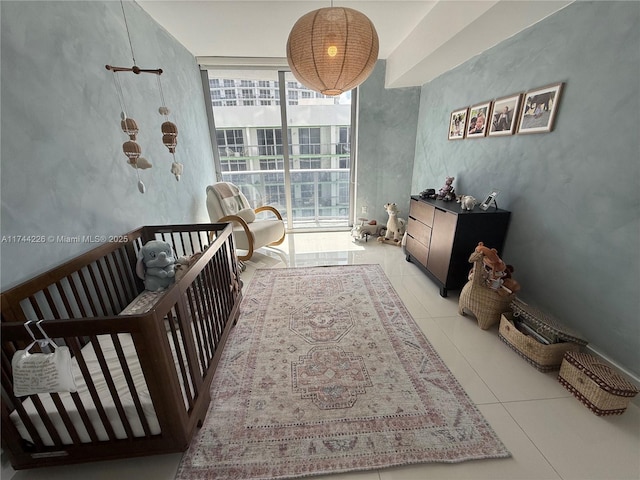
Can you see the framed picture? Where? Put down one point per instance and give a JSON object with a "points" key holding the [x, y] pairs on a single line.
{"points": [[457, 124], [478, 120], [539, 109], [504, 115], [491, 198]]}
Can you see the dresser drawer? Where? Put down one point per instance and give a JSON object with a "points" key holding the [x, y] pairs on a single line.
{"points": [[418, 250], [419, 231], [422, 211]]}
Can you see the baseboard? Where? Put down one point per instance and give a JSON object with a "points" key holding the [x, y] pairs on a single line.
{"points": [[632, 377]]}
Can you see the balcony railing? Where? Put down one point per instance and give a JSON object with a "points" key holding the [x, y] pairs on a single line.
{"points": [[319, 197]]}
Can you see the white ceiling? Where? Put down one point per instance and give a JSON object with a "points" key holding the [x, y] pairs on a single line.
{"points": [[419, 39]]}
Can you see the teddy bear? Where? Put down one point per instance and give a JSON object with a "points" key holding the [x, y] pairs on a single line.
{"points": [[447, 193], [496, 273], [156, 265]]}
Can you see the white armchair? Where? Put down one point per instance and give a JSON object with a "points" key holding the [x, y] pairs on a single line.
{"points": [[226, 203]]}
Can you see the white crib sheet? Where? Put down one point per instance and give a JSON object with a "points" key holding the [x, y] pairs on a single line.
{"points": [[111, 357]]}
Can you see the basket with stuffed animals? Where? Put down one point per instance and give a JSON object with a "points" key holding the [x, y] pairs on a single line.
{"points": [[490, 288], [537, 336]]}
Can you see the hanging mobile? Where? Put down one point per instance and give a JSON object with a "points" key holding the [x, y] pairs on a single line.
{"points": [[169, 134], [129, 126]]}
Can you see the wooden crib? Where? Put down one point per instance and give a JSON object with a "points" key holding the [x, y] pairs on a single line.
{"points": [[143, 378]]}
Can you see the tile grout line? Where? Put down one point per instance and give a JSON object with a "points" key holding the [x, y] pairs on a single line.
{"points": [[527, 435]]}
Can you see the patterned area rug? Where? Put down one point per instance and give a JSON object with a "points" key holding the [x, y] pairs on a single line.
{"points": [[327, 372]]}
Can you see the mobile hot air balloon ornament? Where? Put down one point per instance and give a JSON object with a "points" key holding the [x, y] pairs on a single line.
{"points": [[169, 134]]}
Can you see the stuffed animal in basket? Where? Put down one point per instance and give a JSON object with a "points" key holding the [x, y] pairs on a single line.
{"points": [[395, 226], [496, 273], [447, 193], [156, 265]]}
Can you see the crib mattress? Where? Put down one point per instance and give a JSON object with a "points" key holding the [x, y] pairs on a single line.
{"points": [[110, 355]]}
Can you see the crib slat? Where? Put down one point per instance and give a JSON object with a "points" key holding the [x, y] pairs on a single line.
{"points": [[131, 385], [206, 309], [76, 296], [92, 388], [193, 249], [216, 289], [125, 275], [36, 307], [93, 312], [96, 288], [64, 416], [114, 284], [206, 312], [218, 298], [65, 300], [194, 308], [84, 416], [51, 303], [8, 397], [28, 424], [181, 360], [106, 287], [111, 385], [46, 420]]}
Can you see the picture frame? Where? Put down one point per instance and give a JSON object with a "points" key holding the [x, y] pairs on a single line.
{"points": [[458, 123], [539, 109], [504, 115], [478, 120], [489, 199]]}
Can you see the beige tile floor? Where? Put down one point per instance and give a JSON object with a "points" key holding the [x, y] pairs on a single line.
{"points": [[549, 433]]}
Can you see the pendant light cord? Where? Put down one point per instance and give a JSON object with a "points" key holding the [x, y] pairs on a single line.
{"points": [[126, 25]]}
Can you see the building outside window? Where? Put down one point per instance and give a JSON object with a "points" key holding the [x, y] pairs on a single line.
{"points": [[231, 147], [250, 143]]}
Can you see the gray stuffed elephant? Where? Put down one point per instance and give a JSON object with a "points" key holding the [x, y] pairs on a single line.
{"points": [[156, 265]]}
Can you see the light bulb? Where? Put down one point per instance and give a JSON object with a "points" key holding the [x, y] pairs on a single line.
{"points": [[332, 51]]}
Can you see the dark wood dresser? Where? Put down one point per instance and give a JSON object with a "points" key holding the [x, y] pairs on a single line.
{"points": [[441, 236]]}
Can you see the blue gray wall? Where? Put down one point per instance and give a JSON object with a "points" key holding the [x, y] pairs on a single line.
{"points": [[63, 169], [387, 123], [574, 192]]}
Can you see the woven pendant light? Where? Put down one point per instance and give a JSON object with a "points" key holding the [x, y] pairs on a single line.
{"points": [[332, 50]]}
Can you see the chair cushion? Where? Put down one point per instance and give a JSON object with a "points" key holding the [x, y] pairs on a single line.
{"points": [[264, 232], [231, 201]]}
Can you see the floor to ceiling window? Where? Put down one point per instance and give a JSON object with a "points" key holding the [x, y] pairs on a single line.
{"points": [[309, 180]]}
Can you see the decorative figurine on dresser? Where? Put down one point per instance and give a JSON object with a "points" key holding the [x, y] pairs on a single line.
{"points": [[440, 236]]}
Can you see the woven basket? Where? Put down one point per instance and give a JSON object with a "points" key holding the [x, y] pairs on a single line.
{"points": [[596, 385], [545, 324], [483, 302], [544, 358]]}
